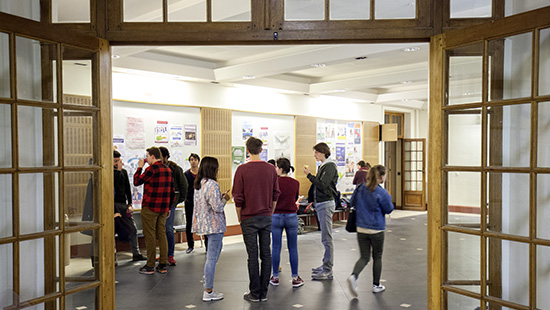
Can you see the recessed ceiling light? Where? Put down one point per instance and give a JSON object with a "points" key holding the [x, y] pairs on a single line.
{"points": [[411, 49], [115, 56], [404, 99], [406, 82], [249, 77], [320, 65]]}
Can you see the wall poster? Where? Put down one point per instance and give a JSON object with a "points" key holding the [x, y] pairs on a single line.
{"points": [[190, 134], [135, 132], [161, 132], [176, 135]]}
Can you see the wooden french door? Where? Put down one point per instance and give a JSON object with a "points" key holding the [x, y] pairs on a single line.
{"points": [[489, 161], [414, 174], [56, 197]]}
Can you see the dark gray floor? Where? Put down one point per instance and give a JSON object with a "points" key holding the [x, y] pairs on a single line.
{"points": [[404, 275]]}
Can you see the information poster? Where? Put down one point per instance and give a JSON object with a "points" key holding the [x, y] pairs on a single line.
{"points": [[264, 135], [135, 133], [237, 155], [161, 132], [176, 135], [190, 134], [248, 130], [118, 145], [131, 164]]}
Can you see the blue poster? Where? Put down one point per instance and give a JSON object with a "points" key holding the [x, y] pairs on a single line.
{"points": [[341, 155], [263, 155]]}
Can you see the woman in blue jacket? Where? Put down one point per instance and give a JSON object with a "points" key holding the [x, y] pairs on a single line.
{"points": [[371, 203]]}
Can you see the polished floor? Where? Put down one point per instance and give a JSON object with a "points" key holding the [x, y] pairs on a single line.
{"points": [[403, 274]]}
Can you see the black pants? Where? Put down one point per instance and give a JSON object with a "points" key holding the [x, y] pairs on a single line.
{"points": [[257, 236], [189, 224], [366, 242]]}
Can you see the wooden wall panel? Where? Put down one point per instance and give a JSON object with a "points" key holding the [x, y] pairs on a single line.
{"points": [[216, 141], [305, 138], [371, 142]]}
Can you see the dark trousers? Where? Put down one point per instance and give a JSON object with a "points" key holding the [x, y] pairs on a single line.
{"points": [[257, 236], [189, 225], [366, 242]]}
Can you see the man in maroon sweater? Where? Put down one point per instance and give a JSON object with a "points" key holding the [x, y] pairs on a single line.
{"points": [[158, 195], [255, 191]]}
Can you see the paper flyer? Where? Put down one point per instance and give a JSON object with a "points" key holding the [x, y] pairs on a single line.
{"points": [[176, 135], [341, 155], [135, 133], [118, 144], [237, 155], [263, 135], [190, 134], [263, 155], [248, 130], [161, 132]]}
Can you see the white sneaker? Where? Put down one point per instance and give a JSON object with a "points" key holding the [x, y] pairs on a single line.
{"points": [[378, 289], [211, 296], [352, 283]]}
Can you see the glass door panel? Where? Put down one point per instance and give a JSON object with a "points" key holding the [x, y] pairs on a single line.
{"points": [[465, 67], [5, 91], [36, 70], [413, 181], [5, 136]]}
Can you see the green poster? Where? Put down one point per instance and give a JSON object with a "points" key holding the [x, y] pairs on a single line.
{"points": [[237, 155]]}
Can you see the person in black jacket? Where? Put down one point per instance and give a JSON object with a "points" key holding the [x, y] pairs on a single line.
{"points": [[190, 175], [180, 186], [322, 192], [125, 226]]}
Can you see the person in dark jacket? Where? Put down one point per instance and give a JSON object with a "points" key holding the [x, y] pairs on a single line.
{"points": [[321, 193], [371, 203], [180, 187], [190, 174]]}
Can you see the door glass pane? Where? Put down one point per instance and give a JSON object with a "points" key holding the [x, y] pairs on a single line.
{"points": [[37, 137], [513, 7], [464, 259], [4, 66], [36, 69], [349, 9], [464, 138], [77, 76], [509, 135], [6, 275], [38, 202], [187, 10], [510, 67], [543, 144], [413, 186], [304, 10], [6, 206], [465, 74], [470, 8], [32, 275], [78, 136], [543, 206], [396, 9], [544, 62], [464, 198], [231, 11], [508, 270], [23, 8], [508, 204], [70, 11], [79, 252], [407, 185], [142, 10], [543, 277], [419, 186], [81, 300], [5, 136], [461, 302], [79, 197]]}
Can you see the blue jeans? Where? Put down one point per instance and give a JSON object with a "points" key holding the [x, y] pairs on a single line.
{"points": [[257, 236], [170, 231], [288, 222], [325, 210], [216, 243]]}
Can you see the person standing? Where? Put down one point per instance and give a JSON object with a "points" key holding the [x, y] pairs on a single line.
{"points": [[190, 175], [322, 192], [255, 192], [209, 220], [123, 206], [361, 174], [372, 203], [158, 196], [180, 187], [285, 217]]}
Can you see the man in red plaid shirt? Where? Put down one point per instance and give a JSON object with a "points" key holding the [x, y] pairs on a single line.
{"points": [[158, 195]]}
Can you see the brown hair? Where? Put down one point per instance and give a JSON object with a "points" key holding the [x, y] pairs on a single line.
{"points": [[374, 174], [208, 169], [254, 145], [154, 151], [361, 164], [322, 147]]}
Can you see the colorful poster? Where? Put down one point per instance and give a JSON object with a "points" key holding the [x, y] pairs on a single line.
{"points": [[248, 130], [118, 144], [357, 133], [161, 132], [263, 135], [176, 135], [263, 155], [130, 164], [341, 155], [135, 133], [237, 155], [190, 134]]}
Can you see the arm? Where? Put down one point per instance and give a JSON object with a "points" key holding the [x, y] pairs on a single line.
{"points": [[323, 181], [237, 193], [385, 202], [274, 206], [214, 196], [182, 183], [127, 190], [140, 178]]}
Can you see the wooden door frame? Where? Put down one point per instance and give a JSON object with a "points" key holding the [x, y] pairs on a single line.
{"points": [[423, 195]]}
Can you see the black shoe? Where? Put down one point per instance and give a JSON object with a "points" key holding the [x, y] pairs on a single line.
{"points": [[146, 270], [138, 257], [248, 297], [161, 268]]}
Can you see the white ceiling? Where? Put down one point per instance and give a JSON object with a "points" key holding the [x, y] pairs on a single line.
{"points": [[386, 74]]}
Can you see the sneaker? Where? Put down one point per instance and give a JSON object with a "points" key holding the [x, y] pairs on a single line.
{"points": [[317, 270], [146, 270], [161, 268], [378, 288], [297, 282], [138, 257], [263, 298], [352, 283], [274, 281], [248, 297], [212, 296], [171, 261], [189, 250], [323, 275]]}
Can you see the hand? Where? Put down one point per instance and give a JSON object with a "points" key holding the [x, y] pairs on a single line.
{"points": [[306, 169], [117, 215], [119, 166], [141, 163], [130, 209], [226, 196]]}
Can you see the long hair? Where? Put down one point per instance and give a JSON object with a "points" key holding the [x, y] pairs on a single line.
{"points": [[208, 169], [284, 164], [374, 174]]}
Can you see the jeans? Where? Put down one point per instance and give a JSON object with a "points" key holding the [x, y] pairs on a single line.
{"points": [[189, 224], [288, 222], [366, 242], [170, 230], [154, 228], [325, 210], [216, 243], [257, 236]]}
